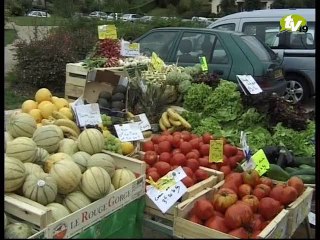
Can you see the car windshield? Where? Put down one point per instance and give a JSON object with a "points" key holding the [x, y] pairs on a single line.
{"points": [[263, 52]]}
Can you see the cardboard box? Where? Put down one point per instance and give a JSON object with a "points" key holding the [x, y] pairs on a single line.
{"points": [[184, 228], [86, 217]]}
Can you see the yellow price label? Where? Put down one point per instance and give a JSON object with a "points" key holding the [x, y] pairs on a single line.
{"points": [[157, 62], [261, 161], [203, 63], [163, 183], [134, 46], [107, 31], [216, 151]]}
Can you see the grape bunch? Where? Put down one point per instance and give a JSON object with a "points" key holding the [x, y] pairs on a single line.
{"points": [[112, 144], [106, 120]]}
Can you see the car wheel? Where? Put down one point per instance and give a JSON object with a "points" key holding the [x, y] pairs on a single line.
{"points": [[297, 89]]}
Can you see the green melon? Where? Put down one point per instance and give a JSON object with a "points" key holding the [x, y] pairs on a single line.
{"points": [[75, 201], [81, 159], [91, 141], [48, 137], [14, 174], [21, 125], [22, 148], [103, 160]]}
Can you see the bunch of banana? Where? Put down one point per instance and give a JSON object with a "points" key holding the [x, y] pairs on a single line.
{"points": [[69, 128], [171, 120]]}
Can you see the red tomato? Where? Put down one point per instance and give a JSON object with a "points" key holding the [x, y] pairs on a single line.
{"points": [[251, 177], [203, 209], [193, 164], [165, 157], [237, 215], [162, 168], [176, 141], [192, 155], [185, 147], [233, 161], [166, 133], [297, 183], [244, 189], [252, 201], [261, 191], [155, 138], [217, 223], [193, 218], [163, 138], [178, 159], [164, 146], [193, 136], [150, 157], [235, 178], [186, 136], [201, 143], [188, 171], [223, 199], [196, 151], [147, 146], [226, 170], [213, 166], [269, 208], [204, 162], [268, 181], [188, 181], [229, 150], [225, 161], [177, 150], [154, 175], [156, 148], [170, 139], [240, 155], [177, 134], [204, 149], [240, 232], [201, 175], [195, 143], [150, 169], [289, 195], [206, 138]]}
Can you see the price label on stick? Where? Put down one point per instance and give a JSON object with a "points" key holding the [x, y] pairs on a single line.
{"points": [[249, 83], [88, 114], [261, 161], [144, 122], [248, 165], [129, 132], [245, 147], [216, 151]]}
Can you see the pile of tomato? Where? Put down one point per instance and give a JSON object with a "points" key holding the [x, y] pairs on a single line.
{"points": [[245, 204], [167, 151]]}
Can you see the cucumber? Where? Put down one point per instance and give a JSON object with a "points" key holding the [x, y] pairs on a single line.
{"points": [[305, 166], [304, 171], [291, 169], [307, 179], [304, 160], [277, 173]]}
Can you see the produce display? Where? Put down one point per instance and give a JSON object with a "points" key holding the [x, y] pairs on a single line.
{"points": [[245, 204], [171, 120]]}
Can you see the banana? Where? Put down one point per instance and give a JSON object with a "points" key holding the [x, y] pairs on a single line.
{"points": [[59, 115], [174, 122], [68, 132], [162, 127], [165, 120], [67, 123], [147, 134], [130, 115], [173, 114], [184, 122], [47, 122]]}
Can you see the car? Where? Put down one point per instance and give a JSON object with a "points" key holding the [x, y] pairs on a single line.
{"points": [[114, 16], [98, 14], [38, 14], [130, 17], [227, 53], [297, 49], [146, 18]]}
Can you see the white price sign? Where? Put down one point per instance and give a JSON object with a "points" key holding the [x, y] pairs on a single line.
{"points": [[249, 83], [243, 142], [129, 132], [88, 114], [248, 165], [144, 122], [128, 49]]}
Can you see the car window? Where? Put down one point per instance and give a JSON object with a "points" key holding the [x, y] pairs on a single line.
{"points": [[219, 55], [226, 27], [158, 42], [301, 40]]}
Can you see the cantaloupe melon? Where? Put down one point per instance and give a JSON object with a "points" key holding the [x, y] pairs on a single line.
{"points": [[42, 154], [59, 198], [95, 183], [103, 160], [14, 174], [28, 105], [58, 211], [122, 177], [68, 146], [48, 137], [7, 138], [21, 125], [36, 114], [91, 141], [53, 159], [43, 94], [81, 159], [32, 168], [76, 200], [18, 231], [22, 148]]}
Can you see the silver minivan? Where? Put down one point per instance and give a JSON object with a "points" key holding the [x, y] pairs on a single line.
{"points": [[297, 49]]}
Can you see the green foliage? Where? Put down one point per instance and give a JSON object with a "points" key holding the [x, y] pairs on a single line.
{"points": [[15, 8], [64, 8], [195, 99], [9, 36], [228, 7], [250, 5], [183, 6]]}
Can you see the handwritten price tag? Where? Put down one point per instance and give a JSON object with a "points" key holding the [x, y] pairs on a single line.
{"points": [[129, 132], [249, 83], [248, 165], [144, 122], [128, 49], [261, 161], [216, 151], [88, 114]]}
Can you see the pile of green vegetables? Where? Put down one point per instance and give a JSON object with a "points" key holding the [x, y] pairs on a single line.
{"points": [[222, 112]]}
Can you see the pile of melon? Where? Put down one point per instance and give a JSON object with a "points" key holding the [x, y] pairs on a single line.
{"points": [[61, 173]]}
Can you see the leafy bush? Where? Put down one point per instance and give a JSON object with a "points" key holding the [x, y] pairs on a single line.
{"points": [[42, 62]]}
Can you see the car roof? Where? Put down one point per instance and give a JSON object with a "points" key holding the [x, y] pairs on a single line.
{"points": [[307, 13], [201, 29]]}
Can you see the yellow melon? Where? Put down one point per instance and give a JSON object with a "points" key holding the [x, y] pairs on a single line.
{"points": [[67, 112], [43, 94], [60, 103], [43, 103], [54, 98], [36, 114], [39, 125], [47, 109], [28, 105]]}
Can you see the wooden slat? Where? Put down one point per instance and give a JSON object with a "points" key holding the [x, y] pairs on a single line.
{"points": [[77, 80], [73, 91]]}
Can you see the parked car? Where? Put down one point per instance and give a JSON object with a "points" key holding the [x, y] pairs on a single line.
{"points": [[296, 48], [98, 14], [114, 16], [38, 14], [227, 53], [146, 18], [130, 17]]}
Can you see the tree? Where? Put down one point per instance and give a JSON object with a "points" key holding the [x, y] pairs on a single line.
{"points": [[250, 5], [309, 3], [278, 4], [228, 7]]}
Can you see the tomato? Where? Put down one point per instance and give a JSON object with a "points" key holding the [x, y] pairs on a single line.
{"points": [[204, 162], [289, 195], [252, 201], [225, 169], [203, 209], [194, 218], [201, 174], [204, 149], [147, 146], [217, 223], [186, 136], [154, 175], [196, 151], [193, 164], [269, 208], [155, 138], [174, 151], [297, 183], [256, 222], [217, 213], [164, 146], [201, 143], [255, 234], [244, 189], [276, 192], [266, 181], [240, 155], [185, 147], [187, 181], [193, 136], [191, 155], [156, 148], [177, 134], [235, 178], [150, 157], [225, 161], [165, 157], [233, 161], [188, 171], [251, 177], [194, 143], [240, 232], [223, 199], [162, 168], [237, 215], [264, 224], [230, 185], [229, 150], [261, 191], [176, 141], [213, 166], [170, 138], [150, 169], [162, 138], [178, 159], [206, 138], [166, 133]]}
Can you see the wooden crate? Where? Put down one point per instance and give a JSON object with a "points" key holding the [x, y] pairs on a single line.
{"points": [[299, 210], [40, 216], [184, 228]]}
